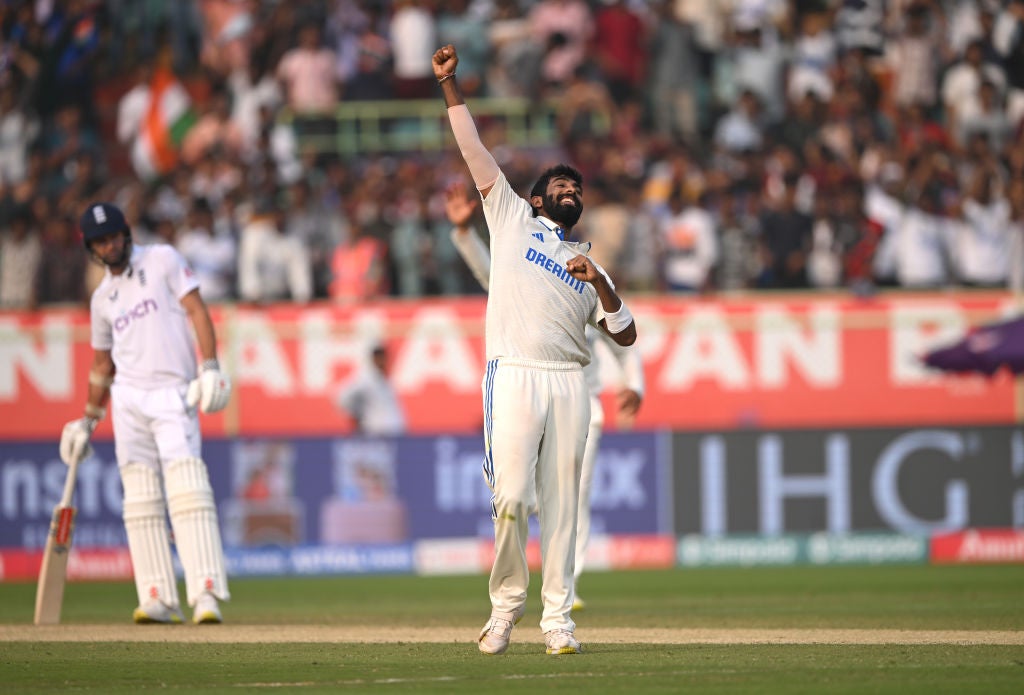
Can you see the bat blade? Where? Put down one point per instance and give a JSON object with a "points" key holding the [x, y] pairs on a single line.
{"points": [[53, 572]]}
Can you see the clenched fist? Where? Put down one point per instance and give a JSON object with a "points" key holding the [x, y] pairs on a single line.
{"points": [[444, 62], [582, 268]]}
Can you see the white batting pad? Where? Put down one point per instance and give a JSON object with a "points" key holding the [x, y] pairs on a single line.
{"points": [[145, 520], [196, 533]]}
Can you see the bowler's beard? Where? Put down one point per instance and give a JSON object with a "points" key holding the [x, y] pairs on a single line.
{"points": [[565, 215]]}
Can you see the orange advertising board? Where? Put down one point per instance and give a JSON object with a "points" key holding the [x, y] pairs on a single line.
{"points": [[775, 361]]}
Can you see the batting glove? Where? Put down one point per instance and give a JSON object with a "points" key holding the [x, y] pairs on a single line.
{"points": [[74, 440], [211, 390]]}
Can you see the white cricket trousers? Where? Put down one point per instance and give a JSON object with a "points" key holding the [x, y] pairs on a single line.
{"points": [[536, 416], [596, 429], [153, 426]]}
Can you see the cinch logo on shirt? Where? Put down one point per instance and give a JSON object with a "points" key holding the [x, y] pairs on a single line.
{"points": [[555, 268], [136, 312]]}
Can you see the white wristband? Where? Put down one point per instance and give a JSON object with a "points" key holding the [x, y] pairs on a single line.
{"points": [[618, 321]]}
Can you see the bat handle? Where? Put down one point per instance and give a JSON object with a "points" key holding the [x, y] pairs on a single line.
{"points": [[69, 482]]}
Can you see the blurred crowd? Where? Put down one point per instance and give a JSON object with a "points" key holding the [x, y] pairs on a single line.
{"points": [[726, 144]]}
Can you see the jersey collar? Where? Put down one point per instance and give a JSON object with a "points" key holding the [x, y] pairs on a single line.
{"points": [[580, 246], [554, 228]]}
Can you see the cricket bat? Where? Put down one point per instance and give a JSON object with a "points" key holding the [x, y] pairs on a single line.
{"points": [[53, 573]]}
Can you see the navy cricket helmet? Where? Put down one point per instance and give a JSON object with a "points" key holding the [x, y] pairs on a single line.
{"points": [[101, 219]]}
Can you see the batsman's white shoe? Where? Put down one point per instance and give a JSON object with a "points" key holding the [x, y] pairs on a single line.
{"points": [[206, 612], [495, 635], [560, 641], [155, 611]]}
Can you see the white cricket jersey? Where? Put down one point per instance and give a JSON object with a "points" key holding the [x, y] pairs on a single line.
{"points": [[138, 316], [535, 309]]}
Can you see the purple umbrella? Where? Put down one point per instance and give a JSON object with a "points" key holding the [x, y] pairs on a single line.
{"points": [[986, 349]]}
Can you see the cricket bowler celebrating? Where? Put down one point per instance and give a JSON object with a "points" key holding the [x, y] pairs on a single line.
{"points": [[543, 292], [144, 362], [460, 208]]}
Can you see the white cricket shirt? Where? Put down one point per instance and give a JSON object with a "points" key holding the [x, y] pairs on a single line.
{"points": [[535, 309], [138, 316]]}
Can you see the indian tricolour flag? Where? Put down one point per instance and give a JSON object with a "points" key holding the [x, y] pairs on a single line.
{"points": [[163, 127]]}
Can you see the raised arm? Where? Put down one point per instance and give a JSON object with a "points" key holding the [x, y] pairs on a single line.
{"points": [[482, 166], [459, 206]]}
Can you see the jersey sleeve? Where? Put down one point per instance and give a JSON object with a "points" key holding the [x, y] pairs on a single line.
{"points": [[503, 207], [181, 279]]}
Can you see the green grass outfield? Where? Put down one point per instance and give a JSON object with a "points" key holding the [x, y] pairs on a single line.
{"points": [[905, 629]]}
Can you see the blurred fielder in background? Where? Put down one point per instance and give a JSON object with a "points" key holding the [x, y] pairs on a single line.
{"points": [[543, 291], [144, 362], [460, 208]]}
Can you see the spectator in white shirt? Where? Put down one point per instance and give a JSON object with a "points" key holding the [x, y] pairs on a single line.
{"points": [[413, 40], [18, 130], [982, 242], [962, 82], [370, 399], [689, 244], [211, 255], [272, 266], [923, 242], [740, 128], [1016, 253]]}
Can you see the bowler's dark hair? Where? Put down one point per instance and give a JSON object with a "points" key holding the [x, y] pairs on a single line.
{"points": [[558, 171]]}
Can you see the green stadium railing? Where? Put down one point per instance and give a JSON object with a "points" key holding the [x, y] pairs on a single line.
{"points": [[410, 126]]}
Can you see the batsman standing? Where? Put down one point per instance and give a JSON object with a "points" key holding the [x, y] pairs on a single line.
{"points": [[543, 292], [144, 363]]}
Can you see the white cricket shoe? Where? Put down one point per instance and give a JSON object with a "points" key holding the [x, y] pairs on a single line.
{"points": [[155, 611], [206, 612], [495, 635], [561, 641]]}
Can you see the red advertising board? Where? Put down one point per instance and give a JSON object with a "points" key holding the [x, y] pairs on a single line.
{"points": [[978, 546], [778, 361]]}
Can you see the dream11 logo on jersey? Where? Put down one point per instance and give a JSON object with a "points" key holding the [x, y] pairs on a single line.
{"points": [[140, 310]]}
